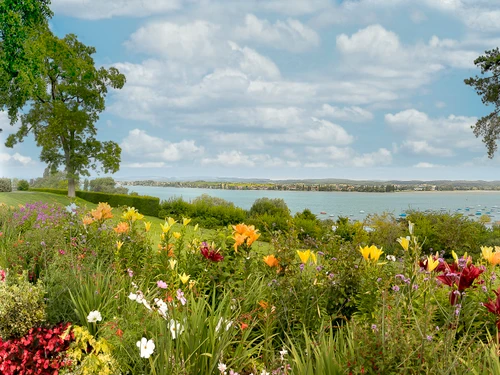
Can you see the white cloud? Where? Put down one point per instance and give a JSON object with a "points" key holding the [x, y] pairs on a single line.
{"points": [[381, 157], [423, 147], [99, 9], [353, 113], [348, 157], [236, 158], [290, 34], [427, 165], [15, 159], [145, 165], [139, 146], [327, 132]]}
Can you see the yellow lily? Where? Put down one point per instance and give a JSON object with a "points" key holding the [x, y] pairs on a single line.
{"points": [[304, 255], [431, 263], [172, 262], [119, 245], [177, 235], [171, 221], [165, 228], [191, 284], [375, 253], [487, 252], [184, 278], [404, 242], [185, 221], [314, 258], [147, 226], [365, 251]]}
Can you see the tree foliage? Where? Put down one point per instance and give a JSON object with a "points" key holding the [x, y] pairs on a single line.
{"points": [[21, 24], [488, 87], [63, 116]]}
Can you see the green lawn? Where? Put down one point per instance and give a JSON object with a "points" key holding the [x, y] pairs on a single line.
{"points": [[22, 197]]}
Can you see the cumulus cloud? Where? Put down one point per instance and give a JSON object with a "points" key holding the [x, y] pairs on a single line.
{"points": [[16, 159], [353, 113], [427, 165], [348, 157], [236, 158], [423, 147], [291, 34], [142, 147]]}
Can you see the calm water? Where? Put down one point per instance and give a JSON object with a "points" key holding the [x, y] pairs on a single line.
{"points": [[346, 204]]}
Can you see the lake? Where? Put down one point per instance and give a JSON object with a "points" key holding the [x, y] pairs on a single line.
{"points": [[351, 204]]}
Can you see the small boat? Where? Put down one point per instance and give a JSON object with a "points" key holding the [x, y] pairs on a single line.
{"points": [[332, 215], [479, 213], [467, 209], [323, 213], [361, 212], [402, 215]]}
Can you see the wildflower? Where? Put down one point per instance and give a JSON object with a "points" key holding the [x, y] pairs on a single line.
{"points": [[392, 258], [210, 253], [404, 242], [263, 304], [239, 239], [177, 235], [165, 228], [119, 245], [3, 275], [314, 258], [395, 288], [374, 328], [172, 263], [161, 284], [94, 317], [283, 353], [372, 252], [71, 209], [147, 347], [244, 326], [432, 262], [191, 284], [62, 252], [87, 220], [271, 261], [175, 328], [132, 214], [494, 306], [184, 278], [130, 272], [222, 367], [122, 227], [180, 297], [147, 226], [185, 221], [429, 338], [304, 255]]}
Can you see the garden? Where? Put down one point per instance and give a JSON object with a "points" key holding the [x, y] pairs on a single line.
{"points": [[105, 291]]}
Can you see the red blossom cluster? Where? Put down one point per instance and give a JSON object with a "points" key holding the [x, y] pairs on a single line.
{"points": [[39, 352], [459, 278], [210, 253]]}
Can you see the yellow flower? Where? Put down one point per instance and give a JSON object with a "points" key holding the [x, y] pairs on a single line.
{"points": [[375, 253], [147, 226], [185, 221], [314, 258], [404, 242], [487, 252], [239, 239], [132, 214], [177, 235], [162, 236], [252, 237], [184, 278], [122, 227], [304, 255], [171, 221], [431, 263], [271, 261], [195, 227], [455, 256], [172, 262], [119, 244], [365, 251], [240, 228], [191, 284], [165, 228]]}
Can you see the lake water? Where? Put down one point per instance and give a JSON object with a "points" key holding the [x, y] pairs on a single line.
{"points": [[351, 204]]}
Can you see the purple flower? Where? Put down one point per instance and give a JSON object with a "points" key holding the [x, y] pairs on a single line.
{"points": [[395, 288], [180, 297], [429, 338], [374, 328], [130, 272], [379, 279], [415, 286], [301, 266], [161, 284]]}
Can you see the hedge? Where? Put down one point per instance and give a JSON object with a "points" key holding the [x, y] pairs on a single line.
{"points": [[5, 185], [144, 204]]}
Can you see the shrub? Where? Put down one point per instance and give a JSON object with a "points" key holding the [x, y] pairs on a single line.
{"points": [[22, 306], [5, 185], [23, 185]]}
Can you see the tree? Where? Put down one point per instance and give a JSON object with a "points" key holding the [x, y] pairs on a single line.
{"points": [[489, 89], [106, 185], [21, 23], [63, 117]]}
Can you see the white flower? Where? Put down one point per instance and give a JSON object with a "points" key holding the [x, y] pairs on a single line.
{"points": [[146, 346], [71, 208], [94, 316], [221, 321], [222, 368], [392, 258], [139, 298], [162, 307], [132, 296], [410, 227], [175, 328], [283, 353], [264, 372]]}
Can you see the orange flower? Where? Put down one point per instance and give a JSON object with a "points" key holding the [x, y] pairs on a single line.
{"points": [[263, 304], [240, 228], [102, 212], [252, 238], [271, 261], [122, 227], [244, 326], [239, 240], [87, 220]]}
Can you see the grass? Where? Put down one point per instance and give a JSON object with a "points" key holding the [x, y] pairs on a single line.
{"points": [[22, 197]]}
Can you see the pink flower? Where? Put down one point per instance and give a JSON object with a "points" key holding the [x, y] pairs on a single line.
{"points": [[161, 284], [2, 275], [130, 272], [62, 252]]}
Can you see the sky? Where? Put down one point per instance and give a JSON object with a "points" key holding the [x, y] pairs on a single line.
{"points": [[359, 89]]}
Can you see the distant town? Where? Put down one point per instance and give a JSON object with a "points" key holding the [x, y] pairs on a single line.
{"points": [[327, 185]]}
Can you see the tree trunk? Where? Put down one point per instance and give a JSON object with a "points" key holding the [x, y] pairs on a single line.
{"points": [[71, 187]]}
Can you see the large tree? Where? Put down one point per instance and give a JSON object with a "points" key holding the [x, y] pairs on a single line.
{"points": [[488, 87], [21, 24], [62, 117]]}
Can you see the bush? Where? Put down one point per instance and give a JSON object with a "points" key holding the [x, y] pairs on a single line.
{"points": [[22, 306], [5, 185], [23, 185]]}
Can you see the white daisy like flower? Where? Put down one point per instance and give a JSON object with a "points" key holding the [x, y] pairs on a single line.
{"points": [[147, 347], [94, 317], [175, 328]]}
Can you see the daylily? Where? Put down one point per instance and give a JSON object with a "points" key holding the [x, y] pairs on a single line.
{"points": [[132, 214], [365, 252], [119, 245], [87, 220], [171, 221], [146, 346], [185, 221], [102, 212], [239, 240], [210, 253], [165, 228], [147, 226], [314, 258], [404, 242], [172, 262], [252, 237], [375, 253], [432, 262], [195, 227], [304, 255], [493, 306], [184, 278], [177, 235], [271, 261], [122, 227], [240, 228], [490, 256]]}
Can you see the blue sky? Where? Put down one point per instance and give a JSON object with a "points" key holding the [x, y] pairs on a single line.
{"points": [[286, 88]]}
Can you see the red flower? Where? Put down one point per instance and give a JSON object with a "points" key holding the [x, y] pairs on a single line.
{"points": [[467, 276], [493, 306], [210, 254], [461, 279]]}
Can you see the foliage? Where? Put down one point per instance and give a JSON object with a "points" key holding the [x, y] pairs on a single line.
{"points": [[22, 306], [23, 185], [38, 352], [62, 117], [5, 185], [488, 87], [53, 180], [106, 185]]}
